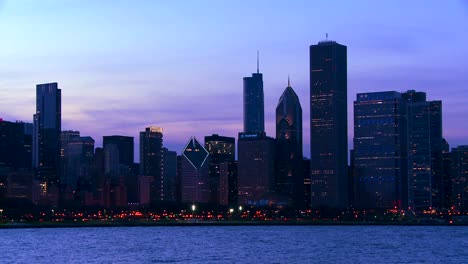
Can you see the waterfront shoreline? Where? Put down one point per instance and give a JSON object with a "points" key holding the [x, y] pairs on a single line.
{"points": [[138, 223]]}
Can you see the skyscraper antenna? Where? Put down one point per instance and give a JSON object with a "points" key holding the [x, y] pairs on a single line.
{"points": [[289, 83], [326, 36], [258, 62]]}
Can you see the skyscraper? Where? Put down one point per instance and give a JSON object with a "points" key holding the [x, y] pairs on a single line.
{"points": [[459, 175], [425, 182], [380, 151], [46, 134], [256, 168], [12, 138], [77, 159], [254, 116], [169, 175], [221, 149], [328, 125], [151, 159], [194, 173], [289, 173], [124, 145], [111, 162], [66, 169]]}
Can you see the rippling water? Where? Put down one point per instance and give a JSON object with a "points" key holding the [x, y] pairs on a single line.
{"points": [[237, 244]]}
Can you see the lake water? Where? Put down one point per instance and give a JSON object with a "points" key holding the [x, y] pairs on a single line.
{"points": [[237, 244]]}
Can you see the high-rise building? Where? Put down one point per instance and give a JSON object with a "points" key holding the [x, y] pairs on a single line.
{"points": [[144, 189], [169, 185], [380, 151], [112, 162], [447, 174], [124, 145], [78, 158], [459, 175], [194, 173], [328, 125], [256, 169], [46, 134], [228, 191], [306, 171], [151, 159], [13, 154], [66, 171], [425, 167], [254, 116], [437, 156], [289, 172], [221, 150]]}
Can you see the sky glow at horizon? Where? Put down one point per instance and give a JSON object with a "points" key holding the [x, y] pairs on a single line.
{"points": [[126, 65]]}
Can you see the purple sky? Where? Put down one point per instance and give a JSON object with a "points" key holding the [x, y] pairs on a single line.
{"points": [[124, 65]]}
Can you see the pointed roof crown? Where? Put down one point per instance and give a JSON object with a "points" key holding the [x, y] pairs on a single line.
{"points": [[195, 153]]}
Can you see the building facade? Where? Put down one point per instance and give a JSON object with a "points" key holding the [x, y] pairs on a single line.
{"points": [[151, 159], [46, 134], [221, 150], [328, 125], [125, 146], [459, 176], [380, 151], [289, 158], [169, 188], [256, 169], [425, 164], [194, 173]]}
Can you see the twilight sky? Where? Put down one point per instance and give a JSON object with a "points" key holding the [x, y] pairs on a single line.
{"points": [[124, 65]]}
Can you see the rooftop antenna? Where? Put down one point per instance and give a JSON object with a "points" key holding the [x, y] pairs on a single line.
{"points": [[289, 83], [326, 36], [258, 62]]}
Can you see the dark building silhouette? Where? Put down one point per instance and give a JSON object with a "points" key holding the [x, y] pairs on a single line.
{"points": [[151, 159], [328, 125], [144, 189], [80, 156], [289, 174], [256, 169], [131, 183], [221, 150], [19, 185], [380, 151], [306, 172], [112, 167], [124, 146], [15, 146], [425, 164], [254, 116], [194, 173], [228, 191], [459, 176], [99, 177], [66, 171], [169, 175], [351, 182], [46, 135], [447, 175]]}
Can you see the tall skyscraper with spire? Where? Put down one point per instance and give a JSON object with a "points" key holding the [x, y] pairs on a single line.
{"points": [[328, 125], [289, 174], [254, 116]]}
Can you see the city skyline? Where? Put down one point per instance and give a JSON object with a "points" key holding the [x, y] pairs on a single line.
{"points": [[102, 91]]}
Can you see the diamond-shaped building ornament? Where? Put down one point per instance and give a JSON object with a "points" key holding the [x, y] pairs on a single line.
{"points": [[195, 153]]}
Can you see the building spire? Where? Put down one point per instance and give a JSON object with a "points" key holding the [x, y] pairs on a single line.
{"points": [[289, 82], [258, 62]]}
